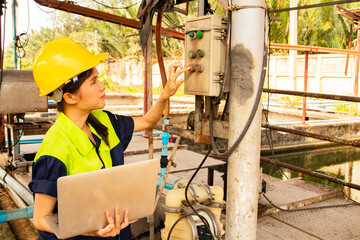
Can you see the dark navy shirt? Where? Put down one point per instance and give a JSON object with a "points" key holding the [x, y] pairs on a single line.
{"points": [[53, 161]]}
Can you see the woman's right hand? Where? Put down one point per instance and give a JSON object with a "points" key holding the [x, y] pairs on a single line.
{"points": [[114, 226]]}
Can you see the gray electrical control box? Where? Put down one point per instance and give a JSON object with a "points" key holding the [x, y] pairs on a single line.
{"points": [[205, 50]]}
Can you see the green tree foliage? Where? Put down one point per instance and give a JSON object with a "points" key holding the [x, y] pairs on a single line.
{"points": [[316, 26], [100, 36]]}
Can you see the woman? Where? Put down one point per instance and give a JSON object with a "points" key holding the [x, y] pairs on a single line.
{"points": [[83, 138]]}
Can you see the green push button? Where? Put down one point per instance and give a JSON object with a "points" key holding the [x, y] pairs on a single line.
{"points": [[192, 54], [200, 53], [192, 35], [199, 34]]}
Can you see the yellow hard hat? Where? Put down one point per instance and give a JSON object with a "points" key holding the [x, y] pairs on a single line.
{"points": [[59, 61]]}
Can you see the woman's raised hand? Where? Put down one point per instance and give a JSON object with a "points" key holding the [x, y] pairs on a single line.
{"points": [[173, 84]]}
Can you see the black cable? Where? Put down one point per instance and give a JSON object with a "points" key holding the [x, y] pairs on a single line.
{"points": [[312, 6], [28, 26], [18, 137], [268, 132], [227, 63], [107, 6], [252, 114], [206, 223], [49, 12], [172, 21], [20, 42], [342, 189], [225, 111], [176, 222]]}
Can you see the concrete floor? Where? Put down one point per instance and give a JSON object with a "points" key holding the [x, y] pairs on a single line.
{"points": [[332, 222]]}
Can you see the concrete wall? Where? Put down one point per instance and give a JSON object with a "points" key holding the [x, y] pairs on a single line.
{"points": [[326, 74]]}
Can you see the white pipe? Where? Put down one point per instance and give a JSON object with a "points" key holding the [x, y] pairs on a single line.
{"points": [[19, 189], [16, 198], [247, 49]]}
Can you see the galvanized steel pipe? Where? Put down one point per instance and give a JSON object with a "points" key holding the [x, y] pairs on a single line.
{"points": [[314, 135], [314, 95], [247, 49], [19, 189], [310, 173]]}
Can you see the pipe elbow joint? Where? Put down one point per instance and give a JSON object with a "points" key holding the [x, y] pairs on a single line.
{"points": [[174, 198]]}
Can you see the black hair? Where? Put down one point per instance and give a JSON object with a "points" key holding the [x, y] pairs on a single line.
{"points": [[72, 87]]}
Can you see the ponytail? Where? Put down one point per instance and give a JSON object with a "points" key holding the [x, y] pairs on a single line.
{"points": [[99, 127]]}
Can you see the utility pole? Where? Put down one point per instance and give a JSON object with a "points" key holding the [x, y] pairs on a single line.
{"points": [[243, 173], [293, 41]]}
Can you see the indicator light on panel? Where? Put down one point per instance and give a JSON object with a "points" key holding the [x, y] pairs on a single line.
{"points": [[192, 67], [200, 53], [199, 67], [192, 54], [199, 34], [192, 35]]}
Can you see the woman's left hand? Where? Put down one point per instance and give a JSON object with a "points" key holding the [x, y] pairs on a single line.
{"points": [[114, 226], [173, 84]]}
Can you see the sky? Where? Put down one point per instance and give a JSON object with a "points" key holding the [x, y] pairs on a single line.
{"points": [[38, 17]]}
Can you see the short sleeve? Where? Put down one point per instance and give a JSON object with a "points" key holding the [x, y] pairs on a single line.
{"points": [[46, 170], [123, 126]]}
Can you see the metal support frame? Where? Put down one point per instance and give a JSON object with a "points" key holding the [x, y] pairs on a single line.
{"points": [[88, 12], [303, 118], [314, 135], [314, 95], [310, 173]]}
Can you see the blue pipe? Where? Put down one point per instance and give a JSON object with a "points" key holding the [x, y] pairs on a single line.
{"points": [[165, 137], [39, 140], [140, 106], [8, 215], [167, 185], [141, 133]]}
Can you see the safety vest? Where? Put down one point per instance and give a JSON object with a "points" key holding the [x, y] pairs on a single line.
{"points": [[68, 143]]}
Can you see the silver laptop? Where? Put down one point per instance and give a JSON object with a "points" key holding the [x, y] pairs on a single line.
{"points": [[83, 198]]}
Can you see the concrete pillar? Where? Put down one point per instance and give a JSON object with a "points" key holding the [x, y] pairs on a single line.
{"points": [[247, 49]]}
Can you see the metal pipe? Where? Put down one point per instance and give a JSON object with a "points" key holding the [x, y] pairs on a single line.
{"points": [[19, 189], [314, 95], [247, 50], [313, 49], [14, 196], [14, 29], [314, 135], [102, 16], [356, 84], [8, 215], [310, 173], [161, 60], [305, 86], [163, 178], [349, 47], [317, 121], [147, 105]]}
